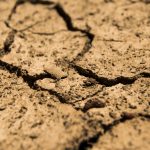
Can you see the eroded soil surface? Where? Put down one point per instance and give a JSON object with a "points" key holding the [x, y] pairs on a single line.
{"points": [[74, 74]]}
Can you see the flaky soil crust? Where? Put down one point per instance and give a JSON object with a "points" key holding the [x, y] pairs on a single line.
{"points": [[74, 74]]}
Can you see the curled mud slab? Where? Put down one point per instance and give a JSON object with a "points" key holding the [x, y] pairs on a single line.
{"points": [[74, 74]]}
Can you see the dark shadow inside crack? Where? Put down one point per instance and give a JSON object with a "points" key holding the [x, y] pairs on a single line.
{"points": [[90, 142], [109, 82], [68, 20], [30, 80]]}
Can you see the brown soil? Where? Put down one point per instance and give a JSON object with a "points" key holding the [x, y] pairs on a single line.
{"points": [[74, 74]]}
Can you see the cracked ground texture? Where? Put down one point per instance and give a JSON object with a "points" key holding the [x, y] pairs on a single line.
{"points": [[74, 75]]}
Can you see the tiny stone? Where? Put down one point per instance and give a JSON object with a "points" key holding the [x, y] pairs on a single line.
{"points": [[93, 103], [132, 106]]}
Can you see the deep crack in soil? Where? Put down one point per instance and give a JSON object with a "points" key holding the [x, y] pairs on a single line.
{"points": [[70, 27], [110, 82], [88, 144], [103, 60], [30, 80]]}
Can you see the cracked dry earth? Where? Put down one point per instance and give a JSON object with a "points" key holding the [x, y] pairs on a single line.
{"points": [[74, 74]]}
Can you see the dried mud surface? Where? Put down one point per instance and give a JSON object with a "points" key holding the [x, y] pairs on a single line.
{"points": [[74, 75]]}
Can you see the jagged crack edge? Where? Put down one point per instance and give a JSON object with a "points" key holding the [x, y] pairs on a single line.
{"points": [[13, 10], [68, 20], [106, 81], [42, 2], [88, 144], [30, 80], [21, 2]]}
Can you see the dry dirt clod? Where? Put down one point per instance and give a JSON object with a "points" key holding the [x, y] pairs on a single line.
{"points": [[71, 69], [55, 72], [93, 103]]}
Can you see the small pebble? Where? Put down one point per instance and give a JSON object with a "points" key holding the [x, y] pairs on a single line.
{"points": [[132, 106], [93, 103]]}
